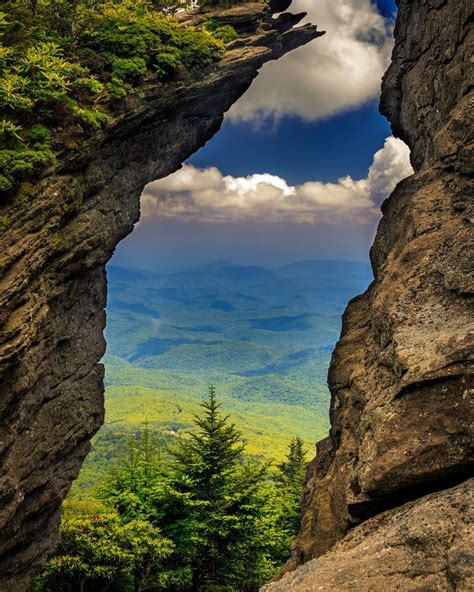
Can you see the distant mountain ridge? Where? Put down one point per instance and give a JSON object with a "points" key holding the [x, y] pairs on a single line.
{"points": [[262, 335]]}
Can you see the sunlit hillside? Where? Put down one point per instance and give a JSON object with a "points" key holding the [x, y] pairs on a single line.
{"points": [[263, 336]]}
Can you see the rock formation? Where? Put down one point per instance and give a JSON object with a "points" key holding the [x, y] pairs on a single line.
{"points": [[423, 545], [60, 233], [401, 376], [387, 498]]}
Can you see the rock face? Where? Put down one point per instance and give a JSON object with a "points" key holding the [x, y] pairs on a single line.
{"points": [[424, 545], [60, 233], [401, 376]]}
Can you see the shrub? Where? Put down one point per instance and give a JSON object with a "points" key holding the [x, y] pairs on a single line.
{"points": [[68, 61], [226, 33], [39, 133], [167, 63], [18, 163], [99, 551], [5, 185], [9, 131]]}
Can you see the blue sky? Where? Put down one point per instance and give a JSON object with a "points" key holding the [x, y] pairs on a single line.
{"points": [[302, 150], [300, 165], [387, 7], [298, 150]]}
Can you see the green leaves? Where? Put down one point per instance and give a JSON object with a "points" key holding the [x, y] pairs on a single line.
{"points": [[17, 164], [36, 79], [293, 468], [9, 130], [202, 517], [98, 550], [136, 41], [64, 65], [223, 511], [226, 33], [14, 91], [41, 74]]}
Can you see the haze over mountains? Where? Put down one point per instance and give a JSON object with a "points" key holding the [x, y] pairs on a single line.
{"points": [[262, 335]]}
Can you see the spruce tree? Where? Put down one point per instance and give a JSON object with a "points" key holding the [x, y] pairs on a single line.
{"points": [[292, 472], [226, 526], [230, 525], [211, 455], [293, 468], [207, 466]]}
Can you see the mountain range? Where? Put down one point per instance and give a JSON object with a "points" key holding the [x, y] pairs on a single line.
{"points": [[262, 335]]}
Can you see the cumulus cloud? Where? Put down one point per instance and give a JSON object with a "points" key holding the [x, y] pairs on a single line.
{"points": [[334, 73], [205, 195]]}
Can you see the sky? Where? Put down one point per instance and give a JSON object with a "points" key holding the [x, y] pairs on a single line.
{"points": [[301, 165]]}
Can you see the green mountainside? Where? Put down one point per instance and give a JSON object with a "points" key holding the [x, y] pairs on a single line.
{"points": [[263, 336]]}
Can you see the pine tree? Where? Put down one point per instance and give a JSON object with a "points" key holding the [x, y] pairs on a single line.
{"points": [[229, 523], [226, 525], [206, 469], [211, 455], [129, 484]]}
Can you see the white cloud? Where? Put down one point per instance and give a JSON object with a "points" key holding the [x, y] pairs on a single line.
{"points": [[208, 196], [390, 164], [334, 73]]}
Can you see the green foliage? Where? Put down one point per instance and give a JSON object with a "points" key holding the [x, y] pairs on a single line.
{"points": [[211, 453], [76, 508], [197, 49], [20, 163], [131, 39], [166, 63], [198, 517], [9, 131], [98, 551], [293, 468], [64, 65], [93, 117], [222, 511], [292, 473], [39, 134], [5, 185], [226, 33]]}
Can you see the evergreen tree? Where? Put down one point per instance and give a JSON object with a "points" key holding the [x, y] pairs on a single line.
{"points": [[292, 472], [224, 502], [129, 485], [222, 511], [229, 522], [293, 468], [211, 455]]}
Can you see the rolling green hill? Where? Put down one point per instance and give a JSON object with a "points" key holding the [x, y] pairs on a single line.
{"points": [[263, 336]]}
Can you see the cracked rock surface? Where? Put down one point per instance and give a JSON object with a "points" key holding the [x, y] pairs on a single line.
{"points": [[423, 545]]}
